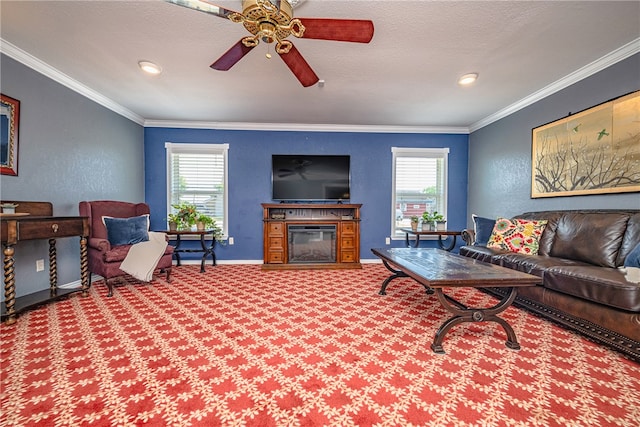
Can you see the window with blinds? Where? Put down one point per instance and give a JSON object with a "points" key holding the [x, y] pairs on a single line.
{"points": [[419, 184], [197, 174]]}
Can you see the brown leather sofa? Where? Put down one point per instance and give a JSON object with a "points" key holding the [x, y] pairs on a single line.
{"points": [[583, 286]]}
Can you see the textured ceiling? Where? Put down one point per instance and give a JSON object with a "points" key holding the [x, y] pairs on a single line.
{"points": [[405, 77]]}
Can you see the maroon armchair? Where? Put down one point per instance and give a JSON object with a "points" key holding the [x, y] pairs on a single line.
{"points": [[105, 259]]}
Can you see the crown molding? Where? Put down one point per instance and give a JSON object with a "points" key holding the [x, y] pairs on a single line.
{"points": [[56, 75], [606, 61], [34, 63], [298, 127]]}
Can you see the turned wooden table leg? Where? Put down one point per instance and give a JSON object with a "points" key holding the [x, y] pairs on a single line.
{"points": [[84, 266], [53, 267], [9, 284]]}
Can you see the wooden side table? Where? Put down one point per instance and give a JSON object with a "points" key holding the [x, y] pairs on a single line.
{"points": [[34, 221], [418, 233], [204, 249]]}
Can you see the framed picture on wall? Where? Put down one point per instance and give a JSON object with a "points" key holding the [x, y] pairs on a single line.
{"points": [[9, 126], [596, 151]]}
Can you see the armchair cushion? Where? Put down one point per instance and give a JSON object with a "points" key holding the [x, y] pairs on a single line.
{"points": [[116, 254], [127, 231]]}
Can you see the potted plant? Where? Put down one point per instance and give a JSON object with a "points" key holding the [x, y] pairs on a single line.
{"points": [[440, 222], [173, 220], [427, 221], [204, 221], [186, 215], [414, 222]]}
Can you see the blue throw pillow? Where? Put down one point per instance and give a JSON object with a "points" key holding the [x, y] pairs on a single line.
{"points": [[483, 228], [127, 231], [633, 259]]}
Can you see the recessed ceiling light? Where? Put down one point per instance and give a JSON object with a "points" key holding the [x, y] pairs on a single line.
{"points": [[149, 67], [467, 79]]}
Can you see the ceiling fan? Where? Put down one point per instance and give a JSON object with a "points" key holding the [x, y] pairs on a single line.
{"points": [[272, 21]]}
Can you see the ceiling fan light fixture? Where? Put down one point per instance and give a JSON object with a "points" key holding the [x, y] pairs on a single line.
{"points": [[468, 79], [149, 67]]}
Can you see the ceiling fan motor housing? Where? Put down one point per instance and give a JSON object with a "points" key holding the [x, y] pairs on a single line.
{"points": [[262, 18]]}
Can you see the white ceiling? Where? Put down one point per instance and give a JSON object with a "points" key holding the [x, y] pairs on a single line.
{"points": [[405, 78]]}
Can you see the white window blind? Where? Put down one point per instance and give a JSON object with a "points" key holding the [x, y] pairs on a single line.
{"points": [[197, 174], [419, 184]]}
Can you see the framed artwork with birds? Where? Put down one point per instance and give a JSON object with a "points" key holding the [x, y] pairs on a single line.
{"points": [[595, 151]]}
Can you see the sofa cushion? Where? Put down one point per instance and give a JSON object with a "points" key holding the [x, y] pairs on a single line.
{"points": [[480, 253], [594, 238], [517, 235], [631, 238], [602, 285], [533, 264], [482, 228], [127, 231], [546, 240]]}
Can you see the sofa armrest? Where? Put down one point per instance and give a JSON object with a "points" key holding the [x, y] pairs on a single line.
{"points": [[469, 236], [102, 245]]}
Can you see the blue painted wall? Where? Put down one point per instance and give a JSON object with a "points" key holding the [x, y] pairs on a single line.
{"points": [[250, 178]]}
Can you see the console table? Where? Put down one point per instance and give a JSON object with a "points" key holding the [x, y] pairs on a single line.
{"points": [[204, 249], [32, 221], [283, 221], [418, 233]]}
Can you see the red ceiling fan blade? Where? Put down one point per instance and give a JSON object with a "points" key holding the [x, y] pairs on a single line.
{"points": [[346, 30], [230, 57], [204, 6], [299, 67]]}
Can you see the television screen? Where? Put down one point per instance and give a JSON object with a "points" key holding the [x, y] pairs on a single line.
{"points": [[310, 177]]}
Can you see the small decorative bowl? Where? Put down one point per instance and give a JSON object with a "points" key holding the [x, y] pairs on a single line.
{"points": [[9, 208]]}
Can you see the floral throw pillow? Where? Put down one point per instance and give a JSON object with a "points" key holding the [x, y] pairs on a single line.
{"points": [[517, 235]]}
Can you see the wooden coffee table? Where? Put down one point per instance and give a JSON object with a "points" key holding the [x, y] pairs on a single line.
{"points": [[436, 269]]}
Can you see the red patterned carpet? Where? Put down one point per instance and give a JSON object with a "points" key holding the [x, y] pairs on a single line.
{"points": [[238, 346]]}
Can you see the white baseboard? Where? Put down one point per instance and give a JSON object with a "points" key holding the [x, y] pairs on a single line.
{"points": [[220, 261], [95, 278], [78, 283]]}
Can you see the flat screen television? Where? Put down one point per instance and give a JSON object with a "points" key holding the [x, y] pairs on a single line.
{"points": [[307, 177]]}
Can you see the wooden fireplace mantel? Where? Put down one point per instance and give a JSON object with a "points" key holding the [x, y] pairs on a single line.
{"points": [[277, 217]]}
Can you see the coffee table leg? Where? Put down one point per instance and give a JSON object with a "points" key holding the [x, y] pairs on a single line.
{"points": [[395, 275], [463, 315]]}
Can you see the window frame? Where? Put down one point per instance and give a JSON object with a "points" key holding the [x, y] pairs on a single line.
{"points": [[432, 153], [196, 148]]}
